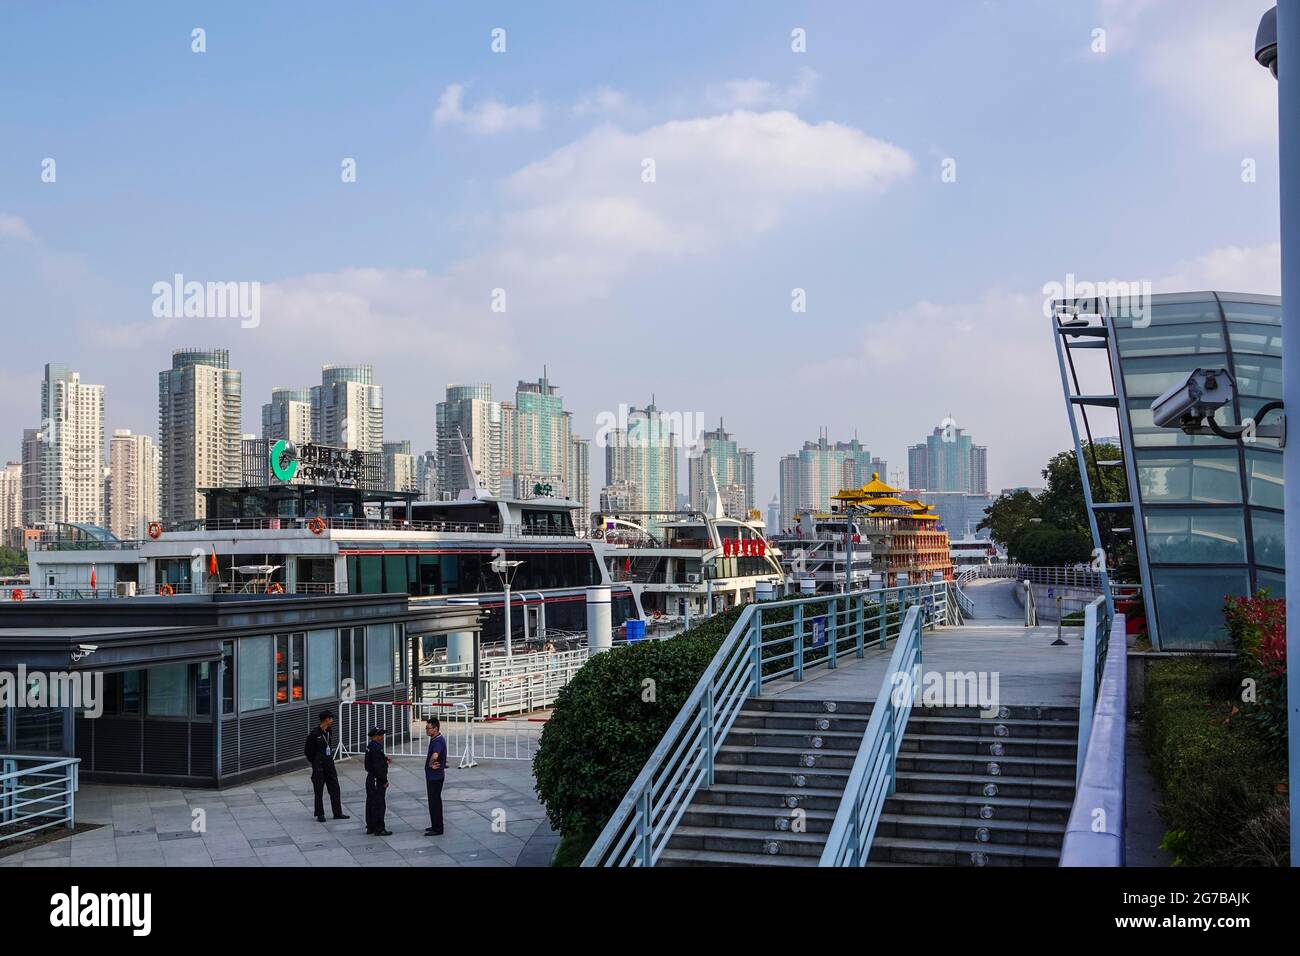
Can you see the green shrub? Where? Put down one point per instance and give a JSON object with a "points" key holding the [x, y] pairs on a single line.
{"points": [[1218, 775], [602, 730]]}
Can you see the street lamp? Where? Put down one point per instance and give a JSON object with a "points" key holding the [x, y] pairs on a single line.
{"points": [[506, 572], [1280, 27]]}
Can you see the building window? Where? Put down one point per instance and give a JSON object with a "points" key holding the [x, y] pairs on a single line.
{"points": [[227, 677], [254, 673], [322, 665], [352, 664], [1268, 538], [203, 673], [379, 655], [165, 691], [289, 668], [1208, 476]]}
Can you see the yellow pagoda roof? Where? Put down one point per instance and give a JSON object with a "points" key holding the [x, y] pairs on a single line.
{"points": [[872, 488], [887, 503]]}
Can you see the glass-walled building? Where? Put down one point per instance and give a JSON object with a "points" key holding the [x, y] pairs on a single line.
{"points": [[1209, 509]]}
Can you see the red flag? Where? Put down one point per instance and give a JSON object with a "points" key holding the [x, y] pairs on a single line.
{"points": [[92, 577], [212, 562]]}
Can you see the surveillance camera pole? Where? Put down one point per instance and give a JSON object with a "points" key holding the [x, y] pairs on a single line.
{"points": [[1288, 114]]}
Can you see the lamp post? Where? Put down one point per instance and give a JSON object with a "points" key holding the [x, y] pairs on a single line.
{"points": [[1280, 30], [506, 571]]}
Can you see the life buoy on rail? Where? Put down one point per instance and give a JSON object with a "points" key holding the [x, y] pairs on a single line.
{"points": [[316, 525], [657, 614], [16, 594], [155, 530], [166, 590], [275, 587]]}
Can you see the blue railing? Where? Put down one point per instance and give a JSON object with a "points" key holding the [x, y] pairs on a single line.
{"points": [[1094, 835], [874, 768], [758, 650]]}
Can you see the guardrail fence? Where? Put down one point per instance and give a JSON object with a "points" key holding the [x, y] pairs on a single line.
{"points": [[770, 641], [872, 777], [36, 793]]}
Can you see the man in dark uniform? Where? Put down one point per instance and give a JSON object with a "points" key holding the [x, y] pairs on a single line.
{"points": [[376, 783], [320, 751], [435, 772]]}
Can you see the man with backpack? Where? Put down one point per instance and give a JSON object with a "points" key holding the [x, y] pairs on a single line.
{"points": [[319, 750]]}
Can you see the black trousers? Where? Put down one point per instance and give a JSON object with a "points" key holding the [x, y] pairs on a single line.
{"points": [[324, 775], [375, 805], [433, 788]]}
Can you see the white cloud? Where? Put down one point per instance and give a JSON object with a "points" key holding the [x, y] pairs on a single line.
{"points": [[584, 214], [1199, 55], [13, 227], [488, 118], [753, 94], [1255, 269], [603, 99]]}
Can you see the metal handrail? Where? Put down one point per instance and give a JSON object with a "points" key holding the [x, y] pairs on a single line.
{"points": [[1094, 835], [1096, 642], [1031, 605], [874, 768], [755, 652], [44, 793]]}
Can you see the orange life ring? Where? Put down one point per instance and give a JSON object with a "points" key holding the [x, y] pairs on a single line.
{"points": [[657, 614], [275, 587], [166, 590], [16, 594], [154, 530], [316, 525]]}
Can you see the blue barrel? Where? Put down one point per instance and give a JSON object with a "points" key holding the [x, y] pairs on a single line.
{"points": [[635, 630]]}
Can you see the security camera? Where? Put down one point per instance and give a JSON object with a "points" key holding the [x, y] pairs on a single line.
{"points": [[1203, 392], [1266, 42], [84, 650]]}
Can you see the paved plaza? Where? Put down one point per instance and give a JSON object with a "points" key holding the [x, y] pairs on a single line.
{"points": [[270, 823]]}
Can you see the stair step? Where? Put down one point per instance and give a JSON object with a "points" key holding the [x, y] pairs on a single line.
{"points": [[799, 705], [965, 829], [958, 853], [777, 821], [820, 777], [1016, 728], [808, 722], [968, 806], [747, 840], [771, 798], [673, 857], [806, 758], [804, 738], [972, 744], [1034, 767], [973, 784]]}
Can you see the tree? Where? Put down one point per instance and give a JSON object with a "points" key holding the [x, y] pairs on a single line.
{"points": [[1045, 545], [1062, 501], [12, 562], [1009, 516]]}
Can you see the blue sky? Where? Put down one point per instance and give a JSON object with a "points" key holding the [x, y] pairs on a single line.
{"points": [[774, 170]]}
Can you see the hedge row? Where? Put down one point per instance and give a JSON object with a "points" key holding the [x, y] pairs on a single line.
{"points": [[1223, 786]]}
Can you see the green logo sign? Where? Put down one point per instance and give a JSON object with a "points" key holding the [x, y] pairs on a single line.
{"points": [[284, 460], [542, 490]]}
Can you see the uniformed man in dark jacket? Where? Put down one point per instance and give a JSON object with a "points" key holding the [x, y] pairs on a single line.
{"points": [[320, 751], [376, 783]]}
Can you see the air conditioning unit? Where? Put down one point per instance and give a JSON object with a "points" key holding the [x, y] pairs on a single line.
{"points": [[125, 589], [692, 579]]}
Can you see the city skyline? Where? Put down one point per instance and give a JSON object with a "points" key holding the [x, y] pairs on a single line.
{"points": [[466, 163]]}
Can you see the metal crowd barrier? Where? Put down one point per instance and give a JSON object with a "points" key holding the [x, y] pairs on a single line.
{"points": [[403, 725], [36, 793]]}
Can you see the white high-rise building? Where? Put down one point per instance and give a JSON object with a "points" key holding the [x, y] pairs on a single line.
{"points": [[68, 484], [535, 437], [287, 416], [133, 466], [348, 408], [11, 505], [580, 480], [469, 411], [200, 404], [399, 467], [733, 470]]}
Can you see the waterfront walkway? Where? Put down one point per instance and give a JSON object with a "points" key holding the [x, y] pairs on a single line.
{"points": [[995, 600], [270, 823], [1029, 669]]}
